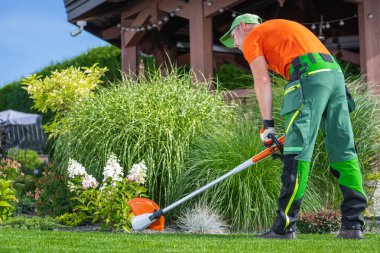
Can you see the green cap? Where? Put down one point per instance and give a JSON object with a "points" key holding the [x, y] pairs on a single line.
{"points": [[226, 39]]}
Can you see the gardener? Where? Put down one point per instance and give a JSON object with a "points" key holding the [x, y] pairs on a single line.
{"points": [[314, 97]]}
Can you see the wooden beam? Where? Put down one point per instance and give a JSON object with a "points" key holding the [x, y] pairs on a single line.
{"points": [[170, 5], [213, 9], [236, 60], [132, 38], [362, 52], [347, 56], [135, 7], [239, 96], [281, 2], [183, 59], [201, 55], [129, 60], [354, 1], [371, 41], [128, 54], [110, 33]]}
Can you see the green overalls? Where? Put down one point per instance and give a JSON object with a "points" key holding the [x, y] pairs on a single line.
{"points": [[316, 98]]}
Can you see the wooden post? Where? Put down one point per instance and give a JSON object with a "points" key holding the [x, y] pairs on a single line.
{"points": [[128, 58], [201, 56], [369, 23]]}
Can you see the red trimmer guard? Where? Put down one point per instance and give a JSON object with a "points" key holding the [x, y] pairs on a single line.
{"points": [[144, 205]]}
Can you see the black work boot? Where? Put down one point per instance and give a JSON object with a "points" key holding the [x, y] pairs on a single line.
{"points": [[350, 234], [273, 235]]}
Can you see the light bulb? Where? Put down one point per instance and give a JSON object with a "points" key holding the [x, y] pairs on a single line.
{"points": [[313, 27], [328, 25], [341, 22]]}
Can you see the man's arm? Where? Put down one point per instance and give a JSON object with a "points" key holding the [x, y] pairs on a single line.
{"points": [[263, 87]]}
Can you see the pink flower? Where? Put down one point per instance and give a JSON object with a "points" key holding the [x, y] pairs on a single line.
{"points": [[131, 177]]}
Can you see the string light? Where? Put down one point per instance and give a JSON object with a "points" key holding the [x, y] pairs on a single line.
{"points": [[234, 13]]}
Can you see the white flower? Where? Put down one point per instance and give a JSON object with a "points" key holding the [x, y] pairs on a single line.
{"points": [[89, 182], [71, 186], [138, 173], [75, 169], [113, 169]]}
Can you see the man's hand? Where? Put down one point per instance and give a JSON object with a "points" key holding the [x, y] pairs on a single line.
{"points": [[268, 128]]}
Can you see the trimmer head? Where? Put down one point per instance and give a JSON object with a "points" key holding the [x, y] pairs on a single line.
{"points": [[143, 208]]}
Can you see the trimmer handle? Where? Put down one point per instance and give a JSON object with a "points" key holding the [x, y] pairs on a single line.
{"points": [[278, 144]]}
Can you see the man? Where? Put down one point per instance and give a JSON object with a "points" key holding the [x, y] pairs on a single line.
{"points": [[314, 97]]}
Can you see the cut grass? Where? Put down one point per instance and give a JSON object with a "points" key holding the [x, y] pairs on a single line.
{"points": [[14, 240]]}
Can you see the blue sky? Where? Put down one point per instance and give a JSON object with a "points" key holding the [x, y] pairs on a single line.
{"points": [[35, 34]]}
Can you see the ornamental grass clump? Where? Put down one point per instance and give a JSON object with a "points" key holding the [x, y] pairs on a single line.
{"points": [[152, 118], [203, 220]]}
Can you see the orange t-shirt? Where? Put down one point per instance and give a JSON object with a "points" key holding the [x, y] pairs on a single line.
{"points": [[280, 41]]}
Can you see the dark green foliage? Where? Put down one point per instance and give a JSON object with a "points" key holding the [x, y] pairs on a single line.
{"points": [[25, 205], [33, 223], [24, 184], [29, 159], [231, 77], [53, 195], [321, 222]]}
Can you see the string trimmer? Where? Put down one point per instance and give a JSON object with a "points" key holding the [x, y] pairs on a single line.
{"points": [[148, 214]]}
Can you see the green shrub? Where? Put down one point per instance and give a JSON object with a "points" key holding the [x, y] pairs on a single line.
{"points": [[33, 223], [107, 202], [29, 159], [51, 194], [153, 119], [12, 96], [9, 169], [73, 219], [7, 199], [321, 222], [25, 205], [61, 90], [231, 77]]}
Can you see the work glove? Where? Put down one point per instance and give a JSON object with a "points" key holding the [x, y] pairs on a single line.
{"points": [[268, 128]]}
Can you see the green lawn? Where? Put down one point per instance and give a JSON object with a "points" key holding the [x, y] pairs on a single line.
{"points": [[14, 240]]}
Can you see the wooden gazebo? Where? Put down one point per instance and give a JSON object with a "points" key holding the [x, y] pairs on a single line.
{"points": [[188, 31]]}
